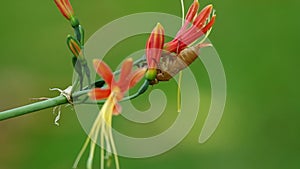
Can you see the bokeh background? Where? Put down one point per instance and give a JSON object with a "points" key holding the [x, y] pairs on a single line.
{"points": [[258, 45]]}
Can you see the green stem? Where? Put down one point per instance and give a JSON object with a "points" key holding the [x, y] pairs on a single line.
{"points": [[33, 107], [59, 100], [52, 102]]}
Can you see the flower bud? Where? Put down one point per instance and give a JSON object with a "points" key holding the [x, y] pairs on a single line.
{"points": [[74, 46]]}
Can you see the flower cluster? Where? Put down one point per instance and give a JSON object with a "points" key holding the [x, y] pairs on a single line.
{"points": [[200, 25], [195, 26], [159, 68]]}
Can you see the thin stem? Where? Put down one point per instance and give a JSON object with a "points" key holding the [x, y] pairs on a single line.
{"points": [[142, 90], [76, 82], [59, 100]]}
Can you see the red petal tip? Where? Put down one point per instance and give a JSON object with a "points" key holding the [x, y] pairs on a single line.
{"points": [[192, 11], [129, 60]]}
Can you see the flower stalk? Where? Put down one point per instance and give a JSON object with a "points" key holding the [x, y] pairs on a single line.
{"points": [[19, 111], [60, 100], [164, 60]]}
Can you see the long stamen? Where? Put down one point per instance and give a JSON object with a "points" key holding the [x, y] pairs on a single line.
{"points": [[206, 36], [102, 147], [182, 11], [108, 121], [107, 145], [114, 149], [86, 142], [92, 149], [81, 152], [180, 73], [99, 122]]}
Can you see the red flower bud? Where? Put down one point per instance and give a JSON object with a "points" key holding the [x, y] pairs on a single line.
{"points": [[65, 8], [154, 46]]}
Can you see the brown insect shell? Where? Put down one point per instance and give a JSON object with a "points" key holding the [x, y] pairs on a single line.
{"points": [[171, 64]]}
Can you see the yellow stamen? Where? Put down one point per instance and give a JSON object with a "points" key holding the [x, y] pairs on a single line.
{"points": [[81, 152], [206, 36], [179, 92], [182, 11], [180, 73], [92, 148], [110, 137], [103, 121], [102, 148]]}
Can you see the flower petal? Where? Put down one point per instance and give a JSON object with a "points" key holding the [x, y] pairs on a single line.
{"points": [[186, 37], [117, 109], [125, 71], [203, 16], [137, 76], [99, 94], [192, 11], [209, 25], [188, 19], [191, 37], [104, 71], [194, 33], [69, 6], [154, 46]]}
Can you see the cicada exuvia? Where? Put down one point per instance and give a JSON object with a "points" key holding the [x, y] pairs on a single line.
{"points": [[171, 63]]}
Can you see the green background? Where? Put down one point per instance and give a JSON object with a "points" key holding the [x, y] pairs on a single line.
{"points": [[258, 44]]}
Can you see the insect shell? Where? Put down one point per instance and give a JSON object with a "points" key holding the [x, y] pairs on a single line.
{"points": [[171, 64]]}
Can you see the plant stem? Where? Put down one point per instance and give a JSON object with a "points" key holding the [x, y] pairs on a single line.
{"points": [[59, 100], [33, 107], [52, 102]]}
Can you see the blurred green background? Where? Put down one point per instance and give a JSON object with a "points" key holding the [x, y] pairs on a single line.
{"points": [[257, 42]]}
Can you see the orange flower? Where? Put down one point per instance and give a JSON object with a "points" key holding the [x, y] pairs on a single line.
{"points": [[113, 94], [201, 24], [127, 80]]}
